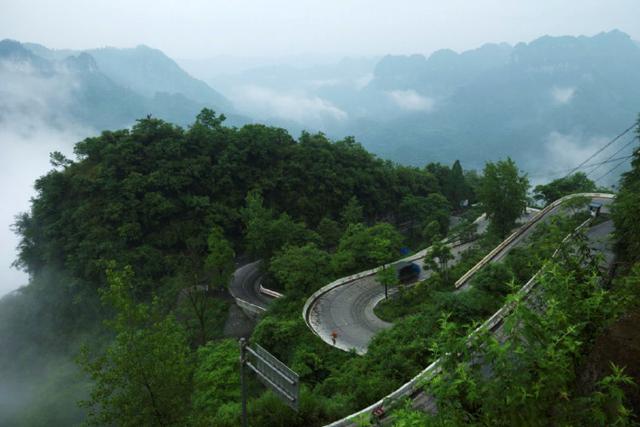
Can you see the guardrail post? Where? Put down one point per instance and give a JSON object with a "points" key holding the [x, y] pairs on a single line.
{"points": [[243, 385]]}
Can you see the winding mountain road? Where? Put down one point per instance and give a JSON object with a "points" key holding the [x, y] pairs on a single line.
{"points": [[245, 286], [600, 241], [346, 310]]}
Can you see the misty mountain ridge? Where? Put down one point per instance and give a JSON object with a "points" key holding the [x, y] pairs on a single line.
{"points": [[532, 101], [104, 88], [547, 103], [544, 103]]}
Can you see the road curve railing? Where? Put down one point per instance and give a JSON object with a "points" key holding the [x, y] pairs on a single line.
{"points": [[414, 386], [306, 310], [309, 304], [523, 229]]}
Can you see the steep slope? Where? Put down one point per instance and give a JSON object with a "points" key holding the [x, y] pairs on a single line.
{"points": [[64, 88], [149, 71]]}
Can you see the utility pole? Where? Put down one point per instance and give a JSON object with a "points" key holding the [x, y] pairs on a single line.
{"points": [[243, 385]]}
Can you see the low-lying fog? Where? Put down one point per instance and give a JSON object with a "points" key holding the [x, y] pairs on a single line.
{"points": [[28, 104]]}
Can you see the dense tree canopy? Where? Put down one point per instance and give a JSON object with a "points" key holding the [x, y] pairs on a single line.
{"points": [[149, 196], [576, 183], [503, 193]]}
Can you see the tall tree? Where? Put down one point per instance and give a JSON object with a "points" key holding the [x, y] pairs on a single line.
{"points": [[219, 261], [458, 186], [440, 256], [363, 247], [144, 376], [503, 193], [266, 233], [352, 213], [215, 276], [301, 269]]}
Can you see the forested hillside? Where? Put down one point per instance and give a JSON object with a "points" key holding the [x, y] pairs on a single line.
{"points": [[131, 245], [175, 204]]}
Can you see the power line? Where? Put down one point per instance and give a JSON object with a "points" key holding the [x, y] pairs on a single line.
{"points": [[601, 149], [593, 165], [609, 159], [624, 160]]}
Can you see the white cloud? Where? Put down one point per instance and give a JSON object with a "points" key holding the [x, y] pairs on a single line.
{"points": [[362, 82], [410, 100], [316, 84], [563, 95], [29, 103], [563, 152], [262, 102]]}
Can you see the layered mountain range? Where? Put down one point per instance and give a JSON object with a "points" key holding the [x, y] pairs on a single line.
{"points": [[501, 100], [547, 103], [99, 89]]}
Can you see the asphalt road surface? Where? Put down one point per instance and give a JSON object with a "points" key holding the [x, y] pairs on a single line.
{"points": [[245, 285], [348, 310]]}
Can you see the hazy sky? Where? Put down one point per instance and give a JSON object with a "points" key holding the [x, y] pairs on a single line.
{"points": [[205, 28]]}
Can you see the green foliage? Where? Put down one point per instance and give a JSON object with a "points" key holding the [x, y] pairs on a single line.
{"points": [[301, 269], [220, 259], [144, 377], [431, 232], [576, 183], [625, 211], [363, 247], [352, 213], [528, 379], [216, 383], [202, 314], [266, 233], [387, 277], [454, 184], [503, 193], [439, 257], [330, 232]]}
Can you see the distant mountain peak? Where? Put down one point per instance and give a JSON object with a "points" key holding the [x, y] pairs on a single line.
{"points": [[81, 63]]}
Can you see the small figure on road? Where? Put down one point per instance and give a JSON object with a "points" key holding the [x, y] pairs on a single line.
{"points": [[334, 335]]}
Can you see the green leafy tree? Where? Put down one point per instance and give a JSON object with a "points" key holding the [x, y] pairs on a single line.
{"points": [[266, 233], [202, 274], [438, 209], [220, 259], [330, 232], [384, 250], [144, 376], [431, 232], [503, 193], [387, 277], [439, 257], [216, 384], [458, 186], [301, 269], [576, 183], [363, 247], [353, 212], [414, 210]]}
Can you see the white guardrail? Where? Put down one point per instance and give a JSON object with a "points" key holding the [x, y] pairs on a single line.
{"points": [[498, 249], [352, 278], [248, 307], [490, 324], [269, 292]]}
